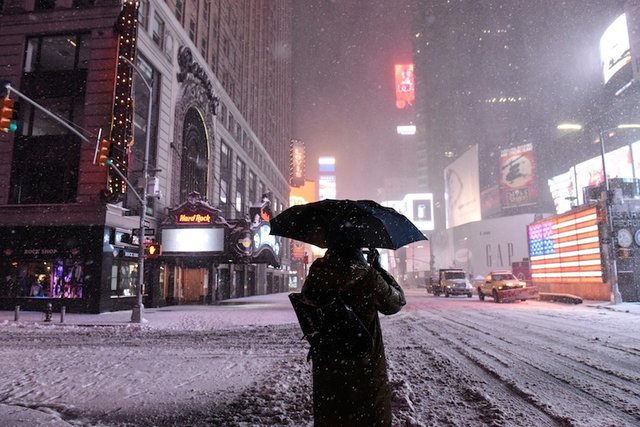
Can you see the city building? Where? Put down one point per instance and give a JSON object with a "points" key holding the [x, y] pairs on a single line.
{"points": [[200, 88], [493, 80]]}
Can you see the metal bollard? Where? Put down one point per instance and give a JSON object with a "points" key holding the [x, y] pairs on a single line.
{"points": [[16, 314], [63, 311], [48, 312]]}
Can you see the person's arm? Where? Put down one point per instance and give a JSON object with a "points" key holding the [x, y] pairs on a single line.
{"points": [[390, 296]]}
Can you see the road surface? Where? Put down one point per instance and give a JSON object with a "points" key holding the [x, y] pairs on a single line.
{"points": [[453, 362]]}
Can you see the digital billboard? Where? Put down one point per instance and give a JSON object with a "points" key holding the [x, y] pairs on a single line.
{"points": [[564, 191], [615, 51], [566, 248], [589, 172], [327, 187], [327, 164], [405, 85]]}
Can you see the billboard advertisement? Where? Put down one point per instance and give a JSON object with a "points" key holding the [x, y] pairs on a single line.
{"points": [[297, 163], [615, 51], [589, 172], [462, 189], [490, 201], [327, 187], [564, 191], [518, 176], [419, 209], [405, 85], [327, 164], [566, 248]]}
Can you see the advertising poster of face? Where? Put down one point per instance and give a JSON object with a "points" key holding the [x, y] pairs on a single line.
{"points": [[462, 189]]}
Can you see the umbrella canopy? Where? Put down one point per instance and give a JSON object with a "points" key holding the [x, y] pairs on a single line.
{"points": [[355, 223]]}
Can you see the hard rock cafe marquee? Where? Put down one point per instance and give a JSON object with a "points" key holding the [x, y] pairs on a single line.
{"points": [[207, 258]]}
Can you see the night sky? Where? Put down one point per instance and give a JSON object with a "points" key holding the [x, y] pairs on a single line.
{"points": [[344, 101]]}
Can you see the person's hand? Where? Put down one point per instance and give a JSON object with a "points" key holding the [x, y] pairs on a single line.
{"points": [[373, 258]]}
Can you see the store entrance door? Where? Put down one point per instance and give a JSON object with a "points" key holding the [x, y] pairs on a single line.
{"points": [[194, 285]]}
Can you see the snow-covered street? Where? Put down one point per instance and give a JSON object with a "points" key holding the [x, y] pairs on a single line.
{"points": [[453, 362]]}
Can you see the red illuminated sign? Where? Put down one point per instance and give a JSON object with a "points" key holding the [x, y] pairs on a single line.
{"points": [[566, 248], [405, 85]]}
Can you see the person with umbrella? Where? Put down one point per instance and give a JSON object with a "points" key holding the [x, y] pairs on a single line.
{"points": [[350, 390]]}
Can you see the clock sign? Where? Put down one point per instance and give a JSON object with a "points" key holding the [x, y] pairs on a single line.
{"points": [[636, 237], [625, 238]]}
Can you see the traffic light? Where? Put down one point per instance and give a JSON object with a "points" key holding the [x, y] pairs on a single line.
{"points": [[102, 156], [8, 115], [153, 250]]}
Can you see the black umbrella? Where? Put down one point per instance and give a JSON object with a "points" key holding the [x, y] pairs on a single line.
{"points": [[355, 223]]}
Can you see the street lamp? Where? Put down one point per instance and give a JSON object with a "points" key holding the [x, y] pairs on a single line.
{"points": [[138, 308], [616, 297]]}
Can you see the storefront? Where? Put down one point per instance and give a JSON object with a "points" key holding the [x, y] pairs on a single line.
{"points": [[206, 258], [61, 265]]}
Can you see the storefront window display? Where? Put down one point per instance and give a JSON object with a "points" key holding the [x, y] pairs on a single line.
{"points": [[124, 277], [58, 278]]}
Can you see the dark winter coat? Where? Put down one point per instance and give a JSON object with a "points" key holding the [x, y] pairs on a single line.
{"points": [[353, 392]]}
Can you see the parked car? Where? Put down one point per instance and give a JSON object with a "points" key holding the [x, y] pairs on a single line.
{"points": [[503, 285]]}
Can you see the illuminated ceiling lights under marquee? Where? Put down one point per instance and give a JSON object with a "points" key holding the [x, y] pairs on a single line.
{"points": [[566, 248], [123, 108]]}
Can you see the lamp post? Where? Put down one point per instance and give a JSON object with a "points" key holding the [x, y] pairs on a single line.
{"points": [[138, 308], [616, 298]]}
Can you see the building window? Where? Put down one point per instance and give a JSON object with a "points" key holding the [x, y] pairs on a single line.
{"points": [[253, 187], [224, 191], [192, 30], [143, 13], [225, 158], [179, 10], [124, 277], [205, 10], [46, 155], [157, 30], [203, 47], [45, 4], [239, 205], [195, 155], [240, 185], [44, 278]]}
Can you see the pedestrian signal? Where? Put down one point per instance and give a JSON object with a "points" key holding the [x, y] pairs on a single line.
{"points": [[154, 250], [102, 156], [8, 115]]}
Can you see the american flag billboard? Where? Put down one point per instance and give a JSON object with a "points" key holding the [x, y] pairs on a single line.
{"points": [[566, 248]]}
